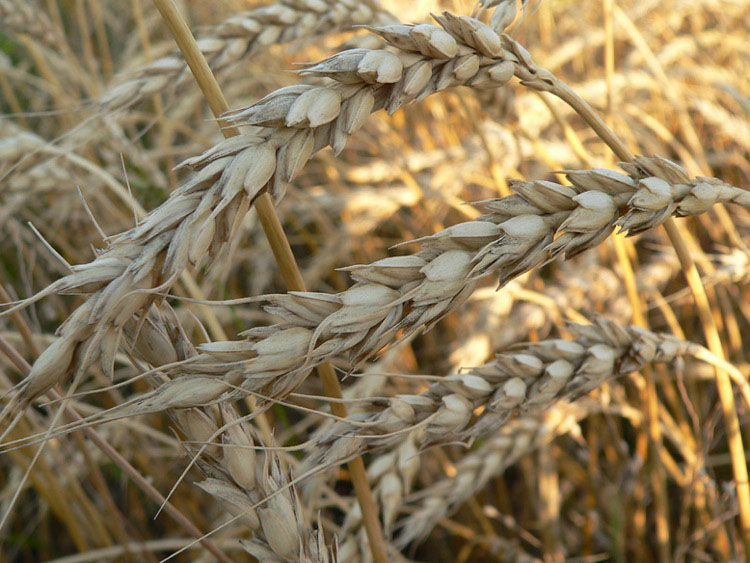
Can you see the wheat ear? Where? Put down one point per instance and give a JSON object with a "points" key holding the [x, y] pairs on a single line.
{"points": [[520, 437], [527, 380], [199, 217], [238, 37], [402, 294], [480, 402], [253, 487]]}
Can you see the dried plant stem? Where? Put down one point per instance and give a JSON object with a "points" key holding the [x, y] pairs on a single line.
{"points": [[282, 253], [165, 132], [105, 56], [23, 328], [85, 34], [726, 396]]}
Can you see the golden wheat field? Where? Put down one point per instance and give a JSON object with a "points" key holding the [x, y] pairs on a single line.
{"points": [[367, 281]]}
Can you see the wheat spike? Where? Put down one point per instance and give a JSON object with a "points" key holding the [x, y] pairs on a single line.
{"points": [[255, 488], [240, 36], [198, 218], [476, 402], [474, 470], [403, 293]]}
